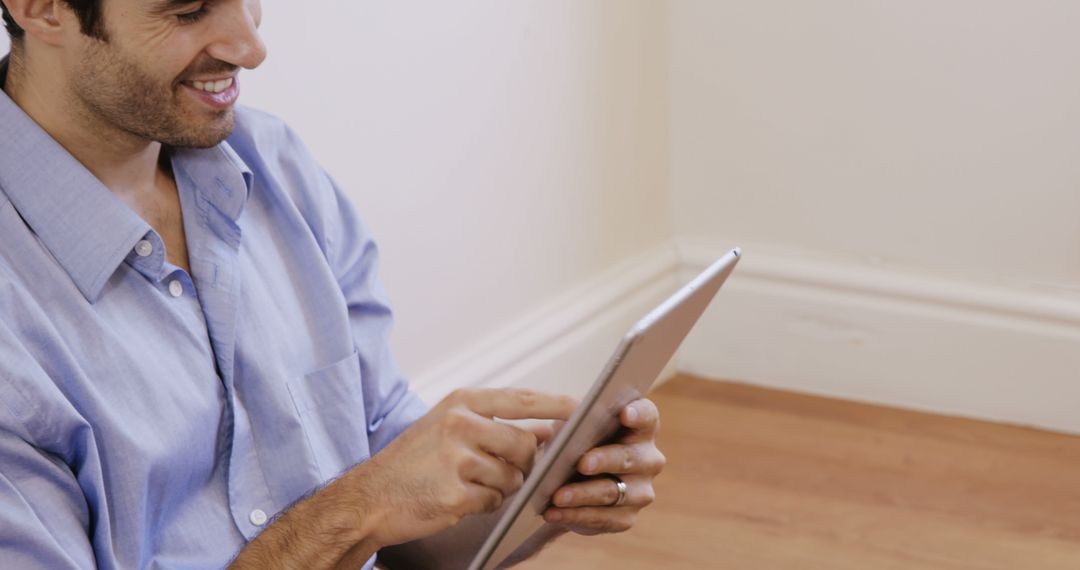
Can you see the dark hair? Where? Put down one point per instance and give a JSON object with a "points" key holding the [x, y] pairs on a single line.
{"points": [[88, 11]]}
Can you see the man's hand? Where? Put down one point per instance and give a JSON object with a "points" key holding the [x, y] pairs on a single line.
{"points": [[586, 507], [453, 462]]}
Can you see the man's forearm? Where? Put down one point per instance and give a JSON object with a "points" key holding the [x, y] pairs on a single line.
{"points": [[453, 462], [329, 529]]}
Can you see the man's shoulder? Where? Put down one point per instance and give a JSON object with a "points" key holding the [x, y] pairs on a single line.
{"points": [[261, 137], [254, 123], [268, 146], [283, 167]]}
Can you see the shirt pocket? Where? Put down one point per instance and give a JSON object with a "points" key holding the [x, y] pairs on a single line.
{"points": [[330, 403]]}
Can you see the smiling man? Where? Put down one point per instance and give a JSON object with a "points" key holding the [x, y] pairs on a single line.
{"points": [[194, 369]]}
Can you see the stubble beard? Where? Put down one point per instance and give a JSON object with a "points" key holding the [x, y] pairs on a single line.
{"points": [[117, 92]]}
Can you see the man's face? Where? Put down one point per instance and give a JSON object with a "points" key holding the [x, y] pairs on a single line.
{"points": [[167, 70]]}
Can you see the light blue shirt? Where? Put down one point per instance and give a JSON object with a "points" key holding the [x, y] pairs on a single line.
{"points": [[155, 418]]}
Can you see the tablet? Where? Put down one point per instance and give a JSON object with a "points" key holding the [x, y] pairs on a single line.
{"points": [[628, 375]]}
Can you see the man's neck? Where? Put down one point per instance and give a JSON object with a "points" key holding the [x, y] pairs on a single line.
{"points": [[126, 164]]}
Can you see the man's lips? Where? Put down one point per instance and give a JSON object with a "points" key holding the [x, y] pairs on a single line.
{"points": [[220, 93]]}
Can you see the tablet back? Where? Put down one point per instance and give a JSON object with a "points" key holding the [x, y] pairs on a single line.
{"points": [[629, 374]]}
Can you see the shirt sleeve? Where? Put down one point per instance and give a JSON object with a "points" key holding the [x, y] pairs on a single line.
{"points": [[390, 405], [44, 518]]}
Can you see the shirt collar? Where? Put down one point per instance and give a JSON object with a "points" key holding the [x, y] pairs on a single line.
{"points": [[85, 227], [218, 174]]}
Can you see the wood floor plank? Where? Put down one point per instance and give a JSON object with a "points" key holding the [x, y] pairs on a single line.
{"points": [[766, 479]]}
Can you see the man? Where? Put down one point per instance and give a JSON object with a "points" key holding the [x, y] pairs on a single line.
{"points": [[193, 346]]}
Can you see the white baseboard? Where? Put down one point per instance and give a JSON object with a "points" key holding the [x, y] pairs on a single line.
{"points": [[833, 327], [562, 346], [846, 329]]}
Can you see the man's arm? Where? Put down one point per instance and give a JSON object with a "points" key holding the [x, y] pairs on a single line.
{"points": [[454, 462], [44, 516], [330, 529]]}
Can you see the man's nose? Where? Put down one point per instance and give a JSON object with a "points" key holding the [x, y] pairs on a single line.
{"points": [[238, 41]]}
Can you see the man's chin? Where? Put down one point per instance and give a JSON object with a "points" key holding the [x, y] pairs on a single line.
{"points": [[205, 135]]}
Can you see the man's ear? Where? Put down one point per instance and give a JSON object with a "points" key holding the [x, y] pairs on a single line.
{"points": [[46, 20]]}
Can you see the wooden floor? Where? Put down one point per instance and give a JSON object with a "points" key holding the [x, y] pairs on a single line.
{"points": [[762, 479]]}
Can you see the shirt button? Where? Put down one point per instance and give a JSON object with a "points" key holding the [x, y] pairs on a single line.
{"points": [[257, 517], [176, 289], [144, 248]]}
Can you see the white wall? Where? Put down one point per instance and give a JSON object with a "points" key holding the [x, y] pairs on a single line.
{"points": [[940, 136], [904, 178], [503, 152]]}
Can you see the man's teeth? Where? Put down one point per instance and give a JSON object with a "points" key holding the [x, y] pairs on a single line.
{"points": [[213, 86]]}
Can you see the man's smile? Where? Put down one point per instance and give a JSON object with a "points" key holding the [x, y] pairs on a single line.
{"points": [[219, 94], [214, 86]]}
